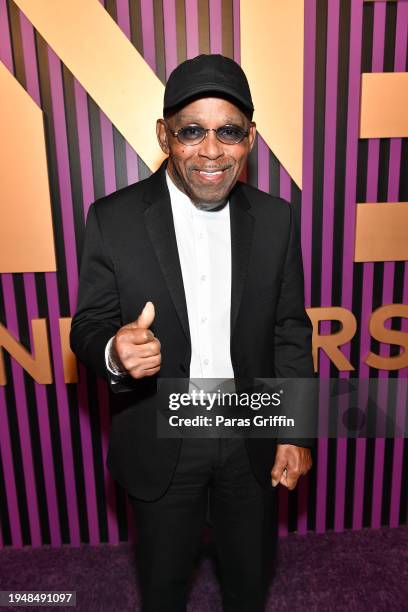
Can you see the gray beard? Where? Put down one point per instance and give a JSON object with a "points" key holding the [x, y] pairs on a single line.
{"points": [[210, 205]]}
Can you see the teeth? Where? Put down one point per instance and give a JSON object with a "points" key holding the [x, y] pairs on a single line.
{"points": [[210, 173]]}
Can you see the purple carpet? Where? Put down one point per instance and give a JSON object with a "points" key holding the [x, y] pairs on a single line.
{"points": [[360, 570]]}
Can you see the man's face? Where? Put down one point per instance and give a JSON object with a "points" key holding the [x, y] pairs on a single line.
{"points": [[187, 163]]}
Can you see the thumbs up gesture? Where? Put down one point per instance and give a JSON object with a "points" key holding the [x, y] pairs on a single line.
{"points": [[135, 349]]}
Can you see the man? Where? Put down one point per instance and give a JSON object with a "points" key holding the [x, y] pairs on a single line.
{"points": [[191, 273]]}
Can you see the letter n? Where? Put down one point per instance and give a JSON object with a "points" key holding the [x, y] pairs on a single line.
{"points": [[37, 365]]}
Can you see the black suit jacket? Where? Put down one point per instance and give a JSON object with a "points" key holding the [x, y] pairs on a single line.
{"points": [[129, 257]]}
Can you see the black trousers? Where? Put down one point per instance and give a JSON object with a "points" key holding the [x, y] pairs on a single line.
{"points": [[244, 522]]}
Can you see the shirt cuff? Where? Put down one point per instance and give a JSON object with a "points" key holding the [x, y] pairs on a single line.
{"points": [[110, 365]]}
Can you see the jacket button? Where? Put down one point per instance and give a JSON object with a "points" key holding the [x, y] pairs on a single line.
{"points": [[183, 367]]}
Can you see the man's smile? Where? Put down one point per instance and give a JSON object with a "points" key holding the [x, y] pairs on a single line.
{"points": [[212, 175]]}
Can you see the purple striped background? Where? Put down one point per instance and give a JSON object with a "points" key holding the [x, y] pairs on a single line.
{"points": [[193, 19]]}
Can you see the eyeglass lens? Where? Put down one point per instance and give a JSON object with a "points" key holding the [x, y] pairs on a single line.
{"points": [[228, 134]]}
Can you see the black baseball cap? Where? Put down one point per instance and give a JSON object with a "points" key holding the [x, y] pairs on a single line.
{"points": [[207, 73]]}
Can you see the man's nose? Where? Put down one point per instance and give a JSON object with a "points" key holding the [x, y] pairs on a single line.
{"points": [[211, 147]]}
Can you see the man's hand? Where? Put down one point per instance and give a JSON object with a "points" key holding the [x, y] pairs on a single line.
{"points": [[135, 348], [290, 462]]}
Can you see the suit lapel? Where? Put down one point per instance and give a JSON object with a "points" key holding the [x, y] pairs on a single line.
{"points": [[242, 227], [160, 226]]}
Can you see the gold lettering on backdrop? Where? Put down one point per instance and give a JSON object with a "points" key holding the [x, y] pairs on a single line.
{"points": [[38, 366], [382, 232], [384, 103], [68, 358], [330, 343], [272, 56], [26, 236], [390, 336]]}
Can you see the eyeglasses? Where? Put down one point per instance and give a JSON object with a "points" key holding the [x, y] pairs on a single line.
{"points": [[194, 134]]}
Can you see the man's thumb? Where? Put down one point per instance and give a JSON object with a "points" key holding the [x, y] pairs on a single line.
{"points": [[146, 317]]}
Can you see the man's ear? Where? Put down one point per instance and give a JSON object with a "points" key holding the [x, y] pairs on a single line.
{"points": [[252, 134], [161, 134]]}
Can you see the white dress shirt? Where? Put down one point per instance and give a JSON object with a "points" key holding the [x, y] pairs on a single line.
{"points": [[204, 247]]}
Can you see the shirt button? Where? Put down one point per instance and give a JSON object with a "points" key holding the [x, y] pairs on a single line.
{"points": [[206, 362], [200, 235], [203, 277], [203, 319]]}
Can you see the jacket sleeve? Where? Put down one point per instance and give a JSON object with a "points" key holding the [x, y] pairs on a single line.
{"points": [[98, 315], [293, 338]]}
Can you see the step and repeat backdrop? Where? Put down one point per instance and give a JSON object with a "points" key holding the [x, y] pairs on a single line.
{"points": [[81, 87]]}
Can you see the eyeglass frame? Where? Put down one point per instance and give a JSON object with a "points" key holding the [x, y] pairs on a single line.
{"points": [[206, 130]]}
